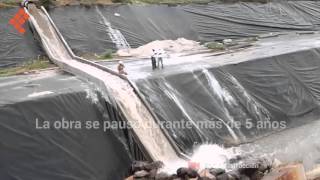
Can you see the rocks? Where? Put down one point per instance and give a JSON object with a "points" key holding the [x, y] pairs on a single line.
{"points": [[264, 164], [141, 174], [243, 177], [187, 173], [217, 171], [314, 174], [255, 169], [257, 175], [206, 175], [288, 172], [250, 170], [163, 176], [236, 175], [145, 170], [154, 165], [153, 173], [235, 159], [276, 163], [139, 165], [225, 177]]}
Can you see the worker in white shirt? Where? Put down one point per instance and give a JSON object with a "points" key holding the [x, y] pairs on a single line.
{"points": [[121, 68], [161, 54]]}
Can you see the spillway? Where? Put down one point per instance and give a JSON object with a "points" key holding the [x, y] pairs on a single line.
{"points": [[274, 81]]}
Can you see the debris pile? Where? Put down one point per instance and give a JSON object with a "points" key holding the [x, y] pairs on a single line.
{"points": [[290, 172], [170, 46], [248, 171], [259, 170]]}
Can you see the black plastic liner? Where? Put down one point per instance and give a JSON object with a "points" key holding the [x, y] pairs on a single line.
{"points": [[86, 32], [143, 24], [15, 48], [60, 154], [82, 29], [218, 21], [280, 92]]}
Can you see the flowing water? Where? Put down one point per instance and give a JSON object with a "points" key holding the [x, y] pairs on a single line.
{"points": [[224, 96], [114, 89], [115, 35], [285, 148]]}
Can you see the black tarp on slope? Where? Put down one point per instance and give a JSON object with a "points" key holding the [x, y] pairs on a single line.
{"points": [[59, 154], [143, 24], [208, 22], [82, 29], [282, 89], [15, 48], [85, 31], [218, 21]]}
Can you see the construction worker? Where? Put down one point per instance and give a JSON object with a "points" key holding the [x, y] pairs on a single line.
{"points": [[121, 68], [160, 54], [153, 59]]}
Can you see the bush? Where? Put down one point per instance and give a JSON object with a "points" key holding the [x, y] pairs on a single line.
{"points": [[215, 46], [108, 54], [40, 63]]}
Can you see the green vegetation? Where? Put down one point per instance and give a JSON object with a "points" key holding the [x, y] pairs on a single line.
{"points": [[27, 67], [9, 3], [108, 54], [216, 46], [15, 3], [162, 1]]}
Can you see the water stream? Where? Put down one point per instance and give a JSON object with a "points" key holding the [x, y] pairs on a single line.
{"points": [[115, 35]]}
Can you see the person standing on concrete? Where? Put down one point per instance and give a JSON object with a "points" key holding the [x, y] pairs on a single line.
{"points": [[153, 59], [161, 54], [121, 68]]}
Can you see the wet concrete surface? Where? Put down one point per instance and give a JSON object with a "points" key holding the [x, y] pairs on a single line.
{"points": [[26, 87], [178, 63], [293, 144]]}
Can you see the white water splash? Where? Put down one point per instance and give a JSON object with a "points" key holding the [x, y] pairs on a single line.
{"points": [[214, 156], [261, 112], [224, 96], [92, 95], [207, 156], [115, 35], [40, 93], [170, 92], [222, 93]]}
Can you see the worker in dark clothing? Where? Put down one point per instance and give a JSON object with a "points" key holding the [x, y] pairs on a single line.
{"points": [[153, 59]]}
